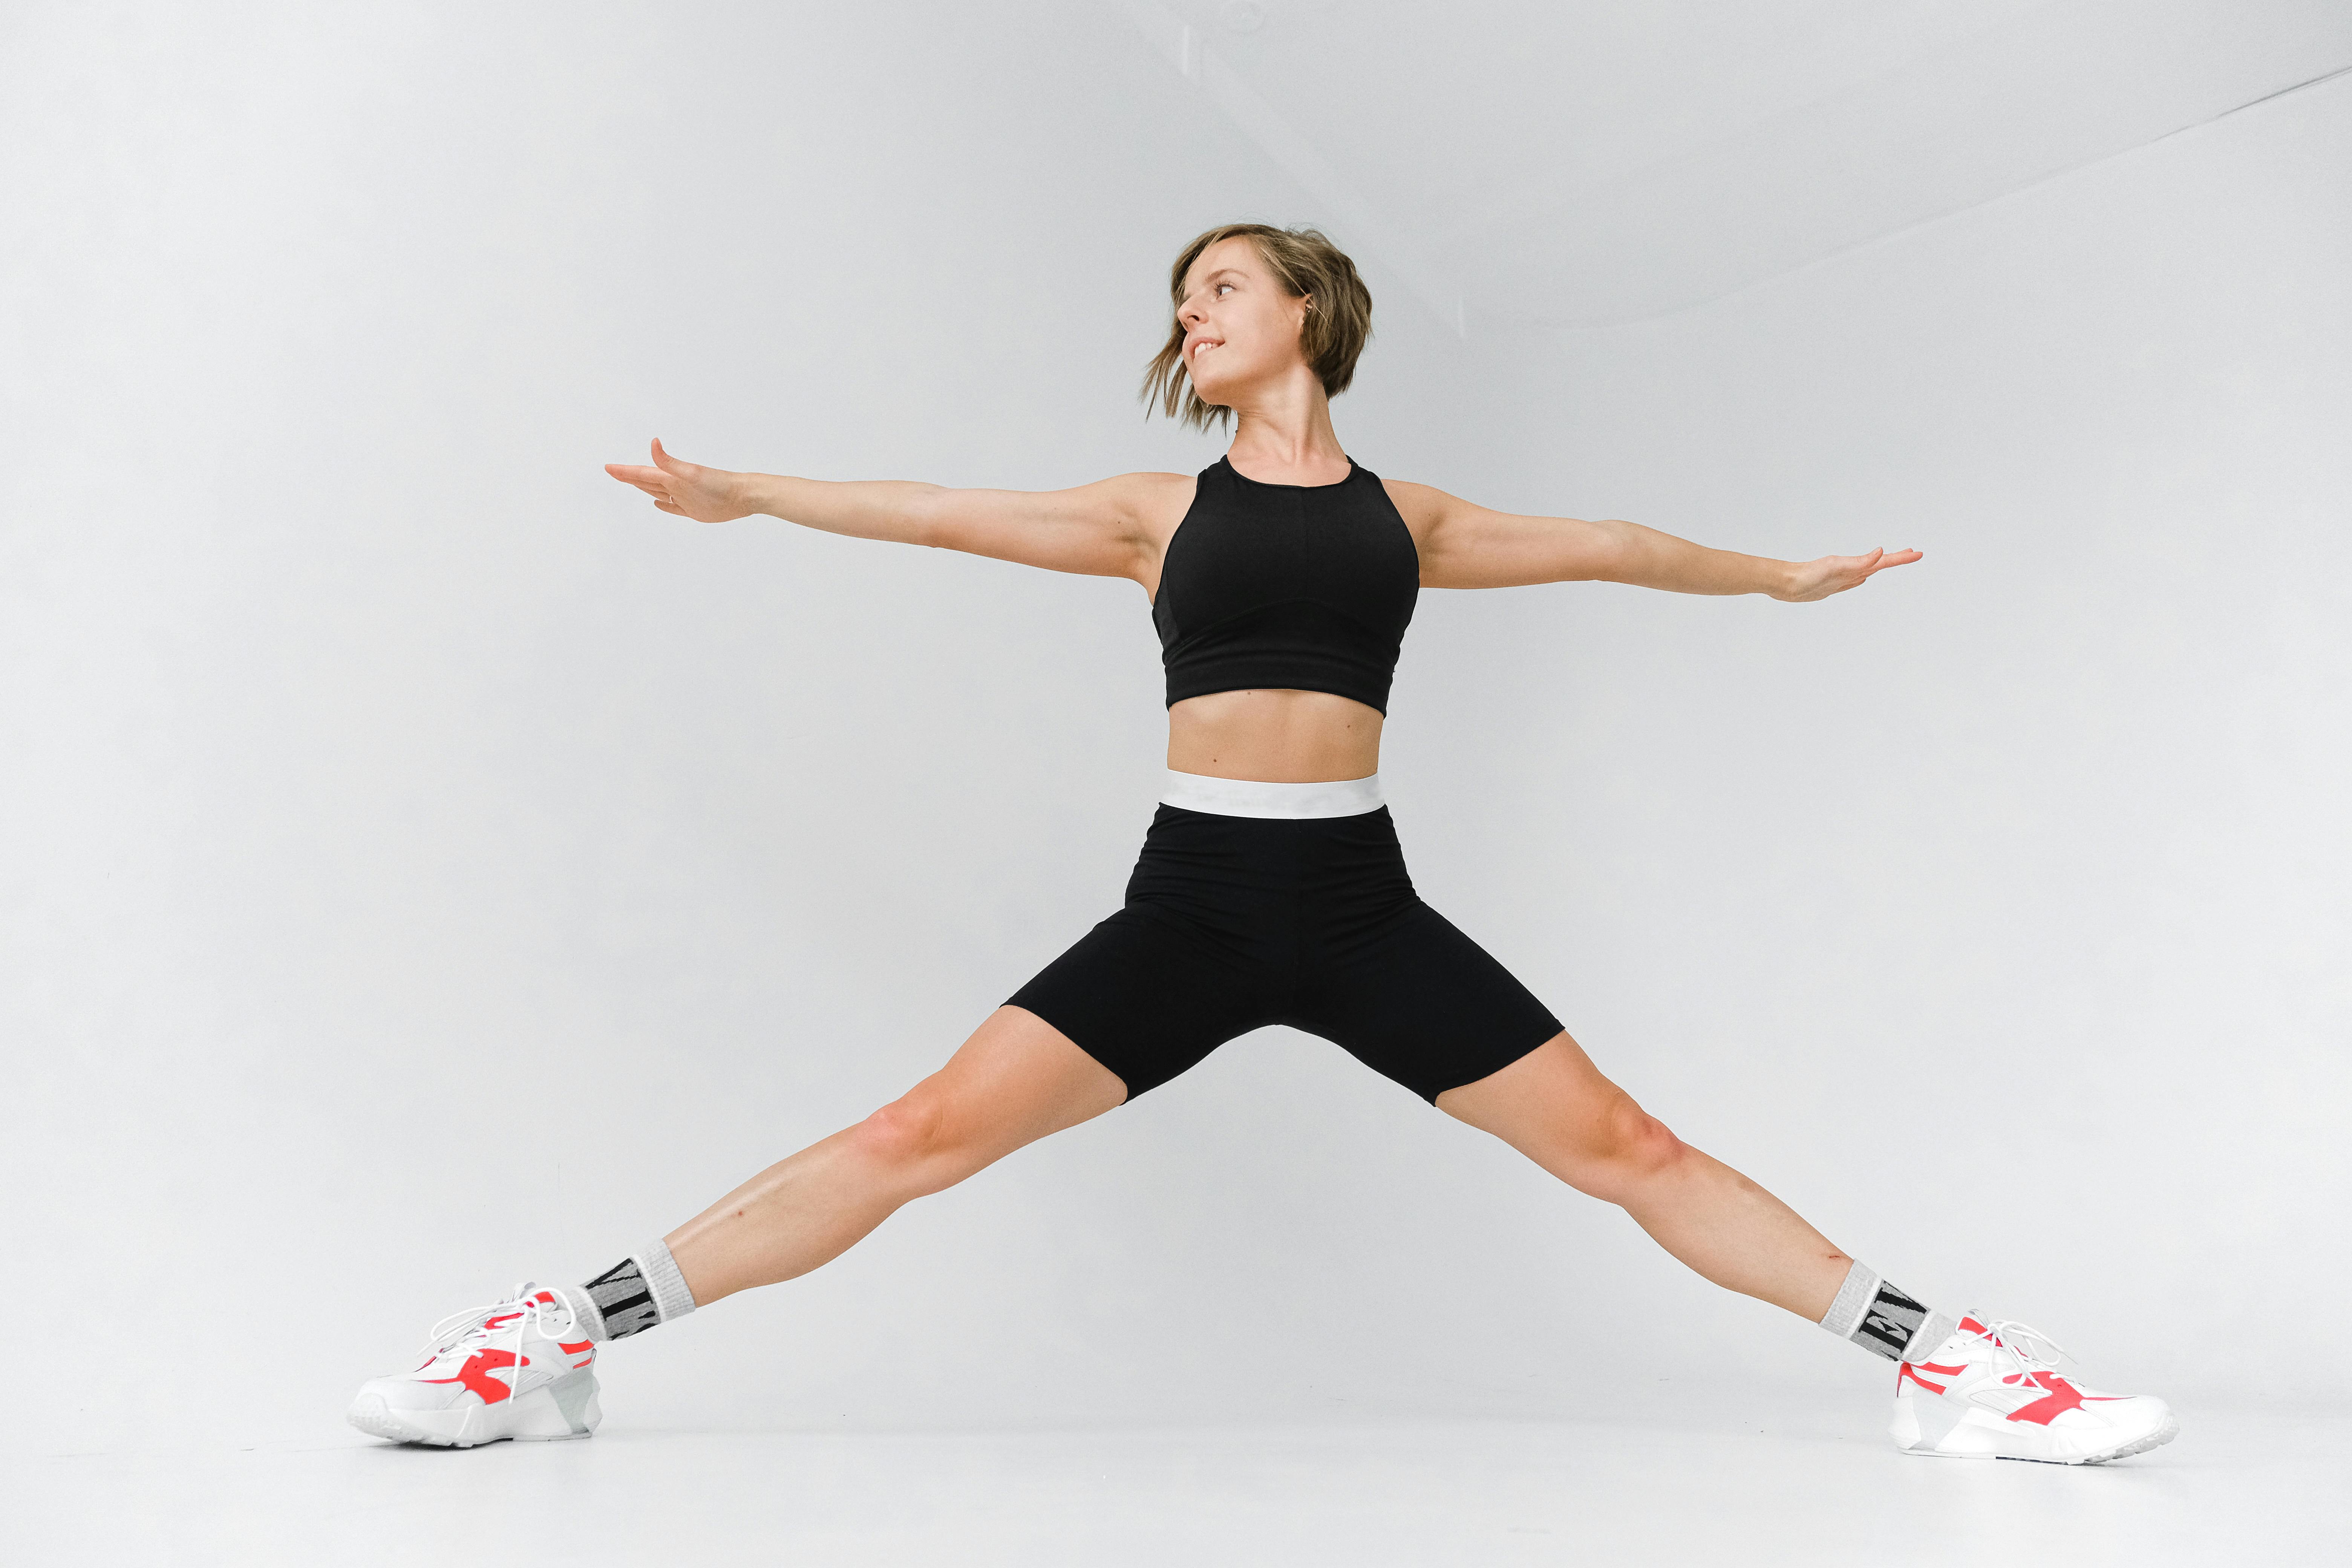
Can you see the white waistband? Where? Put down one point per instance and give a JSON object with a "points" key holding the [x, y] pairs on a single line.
{"points": [[1253, 797]]}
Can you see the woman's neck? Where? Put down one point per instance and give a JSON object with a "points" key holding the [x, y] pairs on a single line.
{"points": [[1284, 435]]}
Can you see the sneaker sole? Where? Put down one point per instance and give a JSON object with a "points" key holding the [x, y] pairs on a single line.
{"points": [[2155, 1439], [549, 1413]]}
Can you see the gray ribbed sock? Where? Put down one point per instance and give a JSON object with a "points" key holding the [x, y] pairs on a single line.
{"points": [[641, 1290], [1882, 1321]]}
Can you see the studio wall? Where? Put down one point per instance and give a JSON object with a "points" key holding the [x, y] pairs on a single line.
{"points": [[427, 864]]}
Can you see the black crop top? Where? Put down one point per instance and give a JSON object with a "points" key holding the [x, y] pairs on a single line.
{"points": [[1297, 587]]}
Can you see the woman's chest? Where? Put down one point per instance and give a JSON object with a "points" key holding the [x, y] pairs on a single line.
{"points": [[1224, 561]]}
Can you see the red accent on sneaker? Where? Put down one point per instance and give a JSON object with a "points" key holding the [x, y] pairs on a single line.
{"points": [[1906, 1371], [475, 1374], [573, 1350], [2063, 1397]]}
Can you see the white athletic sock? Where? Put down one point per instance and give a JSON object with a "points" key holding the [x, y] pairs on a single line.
{"points": [[641, 1290], [1882, 1321]]}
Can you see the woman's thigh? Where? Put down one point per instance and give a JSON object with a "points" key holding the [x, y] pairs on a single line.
{"points": [[1015, 1080], [1558, 1110]]}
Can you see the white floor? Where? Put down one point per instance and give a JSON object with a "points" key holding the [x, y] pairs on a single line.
{"points": [[1816, 1487]]}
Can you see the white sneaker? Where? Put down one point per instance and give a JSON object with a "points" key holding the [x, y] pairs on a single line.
{"points": [[1990, 1392], [455, 1398]]}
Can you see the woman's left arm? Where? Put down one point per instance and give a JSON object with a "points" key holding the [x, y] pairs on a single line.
{"points": [[1467, 546]]}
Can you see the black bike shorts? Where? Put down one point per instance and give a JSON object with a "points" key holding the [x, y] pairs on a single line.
{"points": [[1233, 923]]}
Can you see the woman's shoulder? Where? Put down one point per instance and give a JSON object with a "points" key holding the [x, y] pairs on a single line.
{"points": [[1419, 505], [1155, 501]]}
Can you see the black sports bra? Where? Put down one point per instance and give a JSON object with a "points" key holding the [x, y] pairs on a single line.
{"points": [[1299, 588]]}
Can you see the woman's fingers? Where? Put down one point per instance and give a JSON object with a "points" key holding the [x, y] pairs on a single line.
{"points": [[684, 488], [1852, 571], [671, 475], [653, 482], [1836, 573]]}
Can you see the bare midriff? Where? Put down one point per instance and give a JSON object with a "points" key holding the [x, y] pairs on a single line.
{"points": [[1274, 736]]}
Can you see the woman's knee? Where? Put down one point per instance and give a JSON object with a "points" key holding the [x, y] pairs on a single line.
{"points": [[1622, 1148], [919, 1140]]}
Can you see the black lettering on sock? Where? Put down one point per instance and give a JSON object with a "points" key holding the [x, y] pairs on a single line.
{"points": [[1889, 1322], [625, 1301], [631, 1318]]}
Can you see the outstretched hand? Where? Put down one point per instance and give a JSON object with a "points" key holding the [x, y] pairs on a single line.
{"points": [[685, 489], [1836, 573]]}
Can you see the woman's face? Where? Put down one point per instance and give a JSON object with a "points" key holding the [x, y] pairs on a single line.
{"points": [[1240, 329]]}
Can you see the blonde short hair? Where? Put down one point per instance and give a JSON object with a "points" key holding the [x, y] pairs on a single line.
{"points": [[1307, 265]]}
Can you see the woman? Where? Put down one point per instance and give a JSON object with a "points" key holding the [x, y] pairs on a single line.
{"points": [[1270, 889]]}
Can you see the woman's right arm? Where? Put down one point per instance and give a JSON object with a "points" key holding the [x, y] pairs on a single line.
{"points": [[1102, 530]]}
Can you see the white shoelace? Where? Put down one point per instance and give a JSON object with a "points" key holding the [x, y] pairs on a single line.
{"points": [[2024, 1345], [474, 1323]]}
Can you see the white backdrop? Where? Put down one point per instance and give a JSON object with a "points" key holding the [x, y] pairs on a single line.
{"points": [[424, 865]]}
